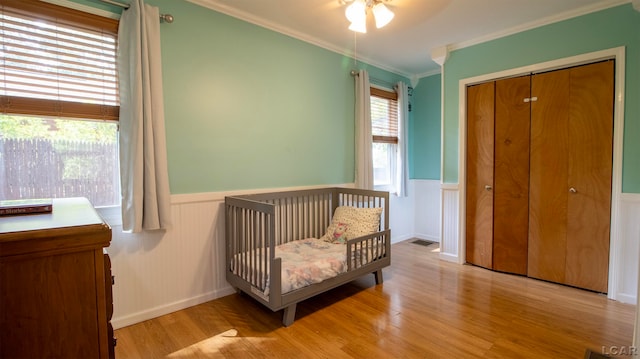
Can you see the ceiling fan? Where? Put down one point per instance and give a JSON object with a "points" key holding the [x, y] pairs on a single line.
{"points": [[356, 13]]}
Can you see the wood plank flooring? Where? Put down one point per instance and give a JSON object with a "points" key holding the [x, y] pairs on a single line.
{"points": [[426, 308]]}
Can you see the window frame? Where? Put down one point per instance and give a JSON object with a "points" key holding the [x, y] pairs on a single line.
{"points": [[57, 108], [38, 107], [391, 141]]}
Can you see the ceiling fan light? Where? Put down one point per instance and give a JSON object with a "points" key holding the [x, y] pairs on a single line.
{"points": [[356, 11], [359, 26], [382, 14]]}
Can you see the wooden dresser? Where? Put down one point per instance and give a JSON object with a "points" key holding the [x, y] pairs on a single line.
{"points": [[55, 284]]}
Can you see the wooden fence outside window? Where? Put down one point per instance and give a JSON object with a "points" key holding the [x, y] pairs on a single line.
{"points": [[46, 168]]}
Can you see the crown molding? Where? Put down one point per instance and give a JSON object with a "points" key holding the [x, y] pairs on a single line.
{"points": [[606, 4], [429, 73], [439, 55], [256, 20], [228, 10]]}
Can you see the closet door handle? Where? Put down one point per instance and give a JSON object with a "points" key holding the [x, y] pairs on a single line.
{"points": [[573, 190], [488, 188]]}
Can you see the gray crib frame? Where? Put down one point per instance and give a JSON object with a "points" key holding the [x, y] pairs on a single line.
{"points": [[265, 220]]}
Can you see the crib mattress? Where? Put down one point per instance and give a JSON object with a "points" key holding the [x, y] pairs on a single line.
{"points": [[304, 262]]}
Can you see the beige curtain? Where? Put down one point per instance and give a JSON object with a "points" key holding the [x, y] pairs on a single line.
{"points": [[363, 136], [402, 163], [143, 159], [636, 328]]}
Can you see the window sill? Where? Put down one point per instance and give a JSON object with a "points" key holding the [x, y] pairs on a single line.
{"points": [[384, 187], [112, 215]]}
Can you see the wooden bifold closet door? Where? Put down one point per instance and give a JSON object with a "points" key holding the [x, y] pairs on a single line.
{"points": [[498, 174], [479, 194], [511, 175], [538, 180], [571, 165]]}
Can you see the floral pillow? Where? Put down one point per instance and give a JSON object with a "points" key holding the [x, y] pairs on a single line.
{"points": [[352, 222], [339, 233]]}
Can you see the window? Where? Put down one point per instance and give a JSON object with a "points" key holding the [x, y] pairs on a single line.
{"points": [[59, 103], [384, 126]]}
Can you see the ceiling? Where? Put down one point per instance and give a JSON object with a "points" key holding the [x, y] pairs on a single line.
{"points": [[420, 26]]}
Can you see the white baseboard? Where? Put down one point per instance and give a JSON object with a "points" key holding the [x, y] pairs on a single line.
{"points": [[400, 238], [427, 237], [449, 257], [133, 318], [626, 298]]}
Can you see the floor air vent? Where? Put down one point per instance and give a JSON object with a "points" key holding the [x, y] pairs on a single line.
{"points": [[423, 242]]}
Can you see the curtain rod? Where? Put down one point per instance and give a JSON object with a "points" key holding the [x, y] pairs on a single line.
{"points": [[376, 81], [168, 18]]}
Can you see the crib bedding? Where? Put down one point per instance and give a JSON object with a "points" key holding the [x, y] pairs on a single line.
{"points": [[266, 229], [304, 262]]}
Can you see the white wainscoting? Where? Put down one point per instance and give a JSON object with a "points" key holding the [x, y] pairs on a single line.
{"points": [[449, 248], [401, 216], [624, 286], [629, 251], [161, 272], [418, 214], [426, 194]]}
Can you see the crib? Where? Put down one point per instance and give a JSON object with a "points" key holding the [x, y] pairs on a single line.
{"points": [[261, 229]]}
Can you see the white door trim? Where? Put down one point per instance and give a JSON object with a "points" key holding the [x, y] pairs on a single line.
{"points": [[618, 54]]}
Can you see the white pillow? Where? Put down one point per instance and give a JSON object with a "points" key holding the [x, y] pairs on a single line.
{"points": [[352, 222]]}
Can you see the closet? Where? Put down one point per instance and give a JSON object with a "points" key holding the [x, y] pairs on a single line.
{"points": [[539, 163], [498, 174]]}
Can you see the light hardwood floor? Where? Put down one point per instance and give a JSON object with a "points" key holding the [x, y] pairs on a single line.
{"points": [[426, 308]]}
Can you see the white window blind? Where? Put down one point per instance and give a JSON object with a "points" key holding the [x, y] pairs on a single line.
{"points": [[384, 116], [55, 67], [58, 103]]}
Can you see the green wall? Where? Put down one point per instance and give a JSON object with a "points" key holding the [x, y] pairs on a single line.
{"points": [[610, 28], [424, 129], [248, 108]]}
